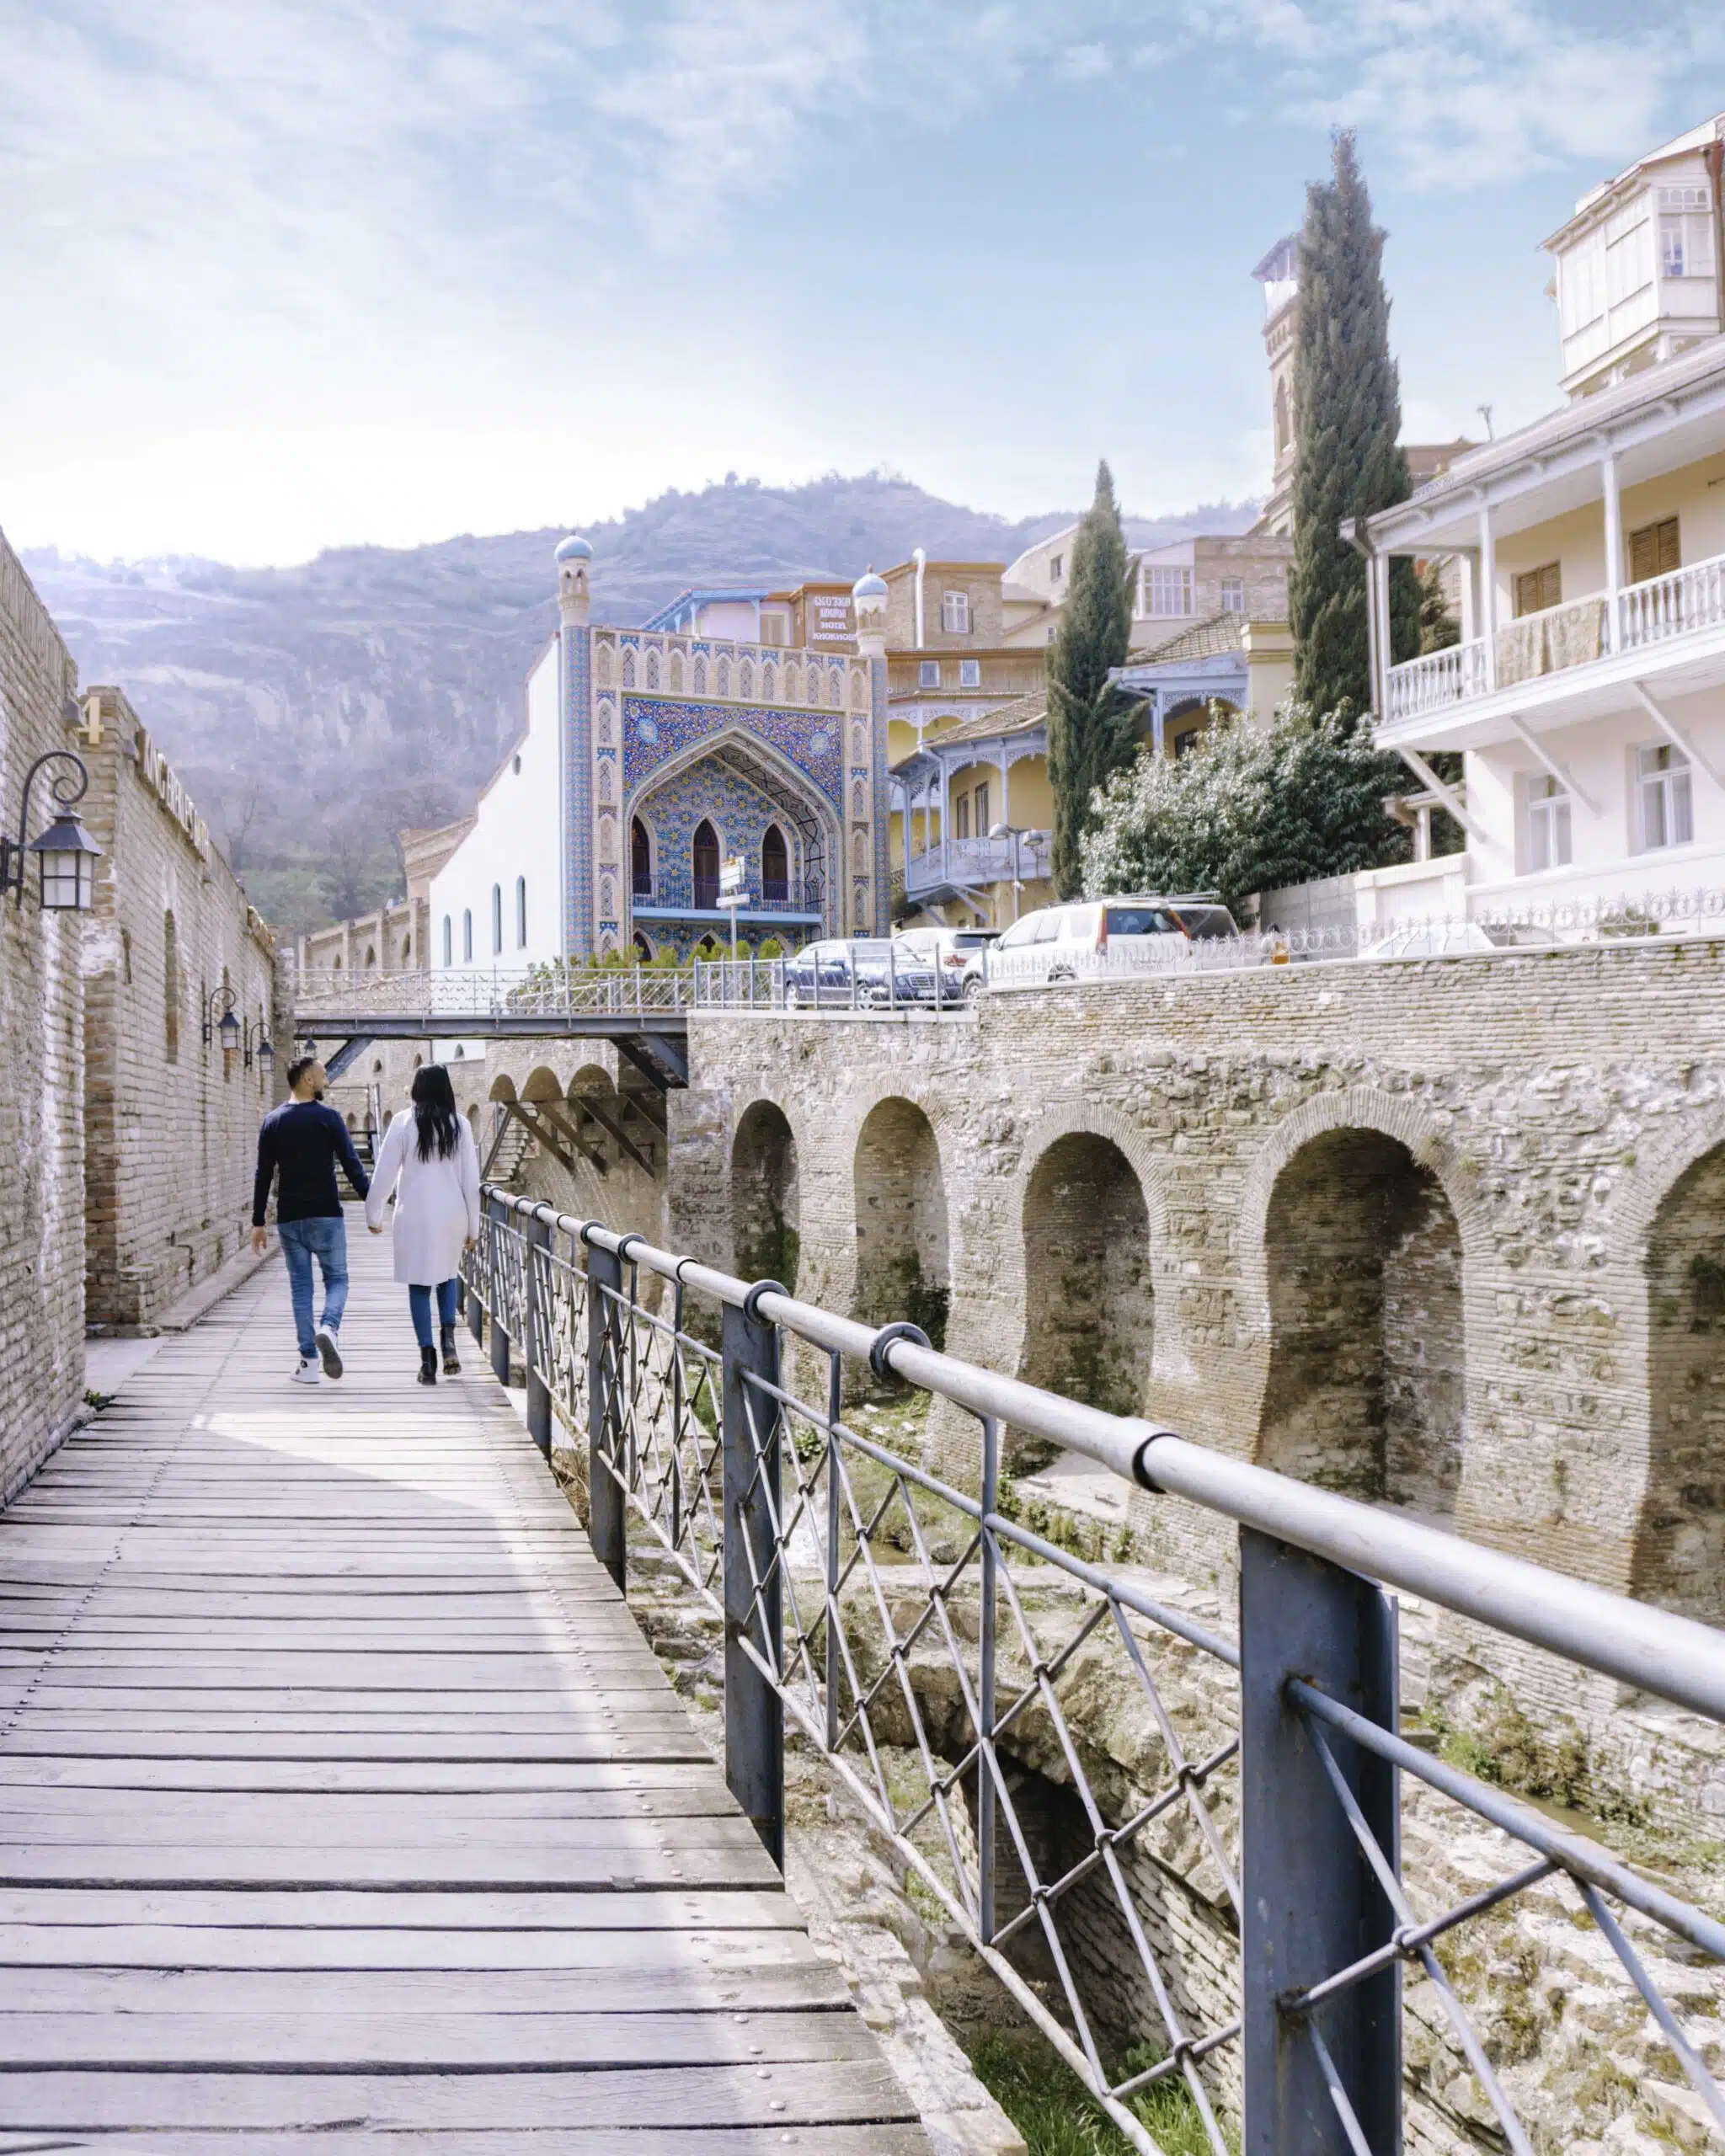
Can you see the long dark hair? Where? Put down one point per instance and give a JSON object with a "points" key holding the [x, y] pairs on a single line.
{"points": [[435, 1112]]}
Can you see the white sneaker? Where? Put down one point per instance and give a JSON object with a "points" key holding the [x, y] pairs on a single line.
{"points": [[308, 1373], [330, 1351]]}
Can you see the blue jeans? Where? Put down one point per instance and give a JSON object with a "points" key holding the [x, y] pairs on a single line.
{"points": [[420, 1303], [302, 1241]]}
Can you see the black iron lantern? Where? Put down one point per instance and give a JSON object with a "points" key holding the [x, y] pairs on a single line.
{"points": [[66, 853], [266, 1052]]}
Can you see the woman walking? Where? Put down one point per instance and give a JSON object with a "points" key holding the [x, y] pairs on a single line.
{"points": [[430, 1161]]}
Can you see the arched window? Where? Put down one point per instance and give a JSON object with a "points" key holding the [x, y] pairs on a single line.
{"points": [[496, 918], [705, 864], [466, 935], [640, 859], [448, 941], [407, 952], [371, 954], [775, 865], [643, 949], [520, 913], [170, 984]]}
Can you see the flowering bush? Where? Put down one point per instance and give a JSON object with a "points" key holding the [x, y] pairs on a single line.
{"points": [[1247, 810]]}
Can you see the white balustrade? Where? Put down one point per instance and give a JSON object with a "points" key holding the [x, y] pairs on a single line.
{"points": [[1673, 606], [1437, 679], [978, 860]]}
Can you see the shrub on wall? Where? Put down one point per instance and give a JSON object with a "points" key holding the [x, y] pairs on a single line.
{"points": [[1247, 810]]}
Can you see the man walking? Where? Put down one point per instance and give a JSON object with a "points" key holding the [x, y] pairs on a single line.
{"points": [[303, 1140]]}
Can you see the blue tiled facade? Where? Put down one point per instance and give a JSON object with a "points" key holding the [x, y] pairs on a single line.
{"points": [[635, 742]]}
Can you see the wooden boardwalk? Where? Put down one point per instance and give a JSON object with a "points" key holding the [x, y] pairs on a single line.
{"points": [[342, 1805]]}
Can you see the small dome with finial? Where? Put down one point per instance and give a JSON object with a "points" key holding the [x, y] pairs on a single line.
{"points": [[574, 549], [868, 585]]}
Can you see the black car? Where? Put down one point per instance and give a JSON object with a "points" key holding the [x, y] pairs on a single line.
{"points": [[863, 972]]}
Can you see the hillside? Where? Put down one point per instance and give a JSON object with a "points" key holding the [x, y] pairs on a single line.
{"points": [[315, 711]]}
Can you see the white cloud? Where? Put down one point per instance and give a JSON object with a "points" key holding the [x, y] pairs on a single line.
{"points": [[1083, 63]]}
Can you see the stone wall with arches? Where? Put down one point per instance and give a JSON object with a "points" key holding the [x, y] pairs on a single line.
{"points": [[1450, 1236]]}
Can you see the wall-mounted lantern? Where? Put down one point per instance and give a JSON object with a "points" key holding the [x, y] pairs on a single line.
{"points": [[258, 1043], [66, 853], [228, 1025]]}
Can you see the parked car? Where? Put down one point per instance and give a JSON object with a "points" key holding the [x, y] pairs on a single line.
{"points": [[868, 970], [1458, 939], [955, 953], [1106, 934]]}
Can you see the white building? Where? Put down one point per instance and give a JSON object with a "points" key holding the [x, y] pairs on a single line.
{"points": [[1587, 696], [497, 901]]}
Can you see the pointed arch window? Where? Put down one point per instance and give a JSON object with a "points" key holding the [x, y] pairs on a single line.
{"points": [[496, 918], [448, 941], [520, 913], [775, 866], [640, 859], [705, 864], [466, 935]]}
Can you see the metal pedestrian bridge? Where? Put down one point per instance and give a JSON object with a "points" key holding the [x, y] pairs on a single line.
{"points": [[344, 1806]]}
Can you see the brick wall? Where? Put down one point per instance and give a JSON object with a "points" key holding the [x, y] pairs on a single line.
{"points": [[41, 1070], [171, 1122], [1450, 1236]]}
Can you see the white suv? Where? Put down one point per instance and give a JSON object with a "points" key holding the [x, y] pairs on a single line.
{"points": [[1108, 936]]}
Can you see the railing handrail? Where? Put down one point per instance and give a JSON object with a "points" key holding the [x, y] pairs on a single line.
{"points": [[1654, 1650]]}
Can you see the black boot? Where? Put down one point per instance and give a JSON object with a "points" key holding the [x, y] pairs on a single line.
{"points": [[428, 1366], [452, 1361]]}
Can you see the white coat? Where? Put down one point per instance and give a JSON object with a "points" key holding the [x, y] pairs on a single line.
{"points": [[436, 1201]]}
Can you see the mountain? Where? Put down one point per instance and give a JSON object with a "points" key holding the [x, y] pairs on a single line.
{"points": [[315, 711]]}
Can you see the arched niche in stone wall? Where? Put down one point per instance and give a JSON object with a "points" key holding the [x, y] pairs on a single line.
{"points": [[1090, 1307], [904, 1263], [1680, 1544], [766, 1199], [1366, 1385]]}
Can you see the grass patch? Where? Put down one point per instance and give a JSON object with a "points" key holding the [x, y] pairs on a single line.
{"points": [[1058, 2116]]}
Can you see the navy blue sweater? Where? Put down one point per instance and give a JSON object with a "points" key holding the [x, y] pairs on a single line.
{"points": [[303, 1140]]}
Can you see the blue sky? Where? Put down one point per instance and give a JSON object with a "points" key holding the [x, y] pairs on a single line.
{"points": [[299, 273]]}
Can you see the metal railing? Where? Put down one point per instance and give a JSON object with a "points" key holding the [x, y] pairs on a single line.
{"points": [[456, 992], [1221, 1881], [980, 860]]}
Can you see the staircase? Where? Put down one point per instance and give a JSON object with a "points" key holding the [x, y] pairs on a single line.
{"points": [[507, 1152]]}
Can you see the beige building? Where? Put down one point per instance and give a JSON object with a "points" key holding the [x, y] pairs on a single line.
{"points": [[1174, 587], [1279, 273]]}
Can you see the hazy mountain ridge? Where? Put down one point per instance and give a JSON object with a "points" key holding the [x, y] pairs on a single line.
{"points": [[313, 710]]}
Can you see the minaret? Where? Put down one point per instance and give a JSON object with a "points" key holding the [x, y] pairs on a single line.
{"points": [[575, 777], [1279, 273], [574, 558], [871, 902]]}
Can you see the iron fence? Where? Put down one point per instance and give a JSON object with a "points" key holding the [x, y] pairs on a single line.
{"points": [[1198, 1894], [455, 992]]}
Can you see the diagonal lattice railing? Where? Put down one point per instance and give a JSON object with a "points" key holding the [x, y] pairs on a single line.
{"points": [[1179, 1851]]}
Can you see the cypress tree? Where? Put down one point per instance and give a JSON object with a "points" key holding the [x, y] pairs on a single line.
{"points": [[1347, 417], [1092, 732]]}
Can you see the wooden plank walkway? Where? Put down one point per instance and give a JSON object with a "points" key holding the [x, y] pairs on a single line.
{"points": [[340, 1796]]}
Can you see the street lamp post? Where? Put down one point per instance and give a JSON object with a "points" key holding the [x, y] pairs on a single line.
{"points": [[1015, 834], [66, 853]]}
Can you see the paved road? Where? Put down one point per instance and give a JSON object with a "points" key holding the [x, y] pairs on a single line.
{"points": [[342, 1806]]}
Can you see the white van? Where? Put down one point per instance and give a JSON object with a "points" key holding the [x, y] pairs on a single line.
{"points": [[1106, 936]]}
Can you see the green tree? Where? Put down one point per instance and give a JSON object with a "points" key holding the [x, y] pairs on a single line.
{"points": [[1349, 462], [1248, 810], [1092, 727], [1438, 627]]}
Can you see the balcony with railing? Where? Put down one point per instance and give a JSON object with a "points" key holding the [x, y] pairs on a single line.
{"points": [[670, 893], [958, 862], [1663, 612]]}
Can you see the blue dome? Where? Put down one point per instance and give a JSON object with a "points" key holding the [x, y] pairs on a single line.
{"points": [[574, 549], [869, 586]]}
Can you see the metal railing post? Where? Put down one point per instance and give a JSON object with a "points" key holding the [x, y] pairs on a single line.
{"points": [[986, 1657], [497, 1218], [754, 1717], [535, 1349], [1311, 1904], [605, 1528]]}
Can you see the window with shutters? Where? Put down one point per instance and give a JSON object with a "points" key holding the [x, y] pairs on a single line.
{"points": [[1654, 551], [983, 818], [955, 612], [1536, 590], [961, 817]]}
